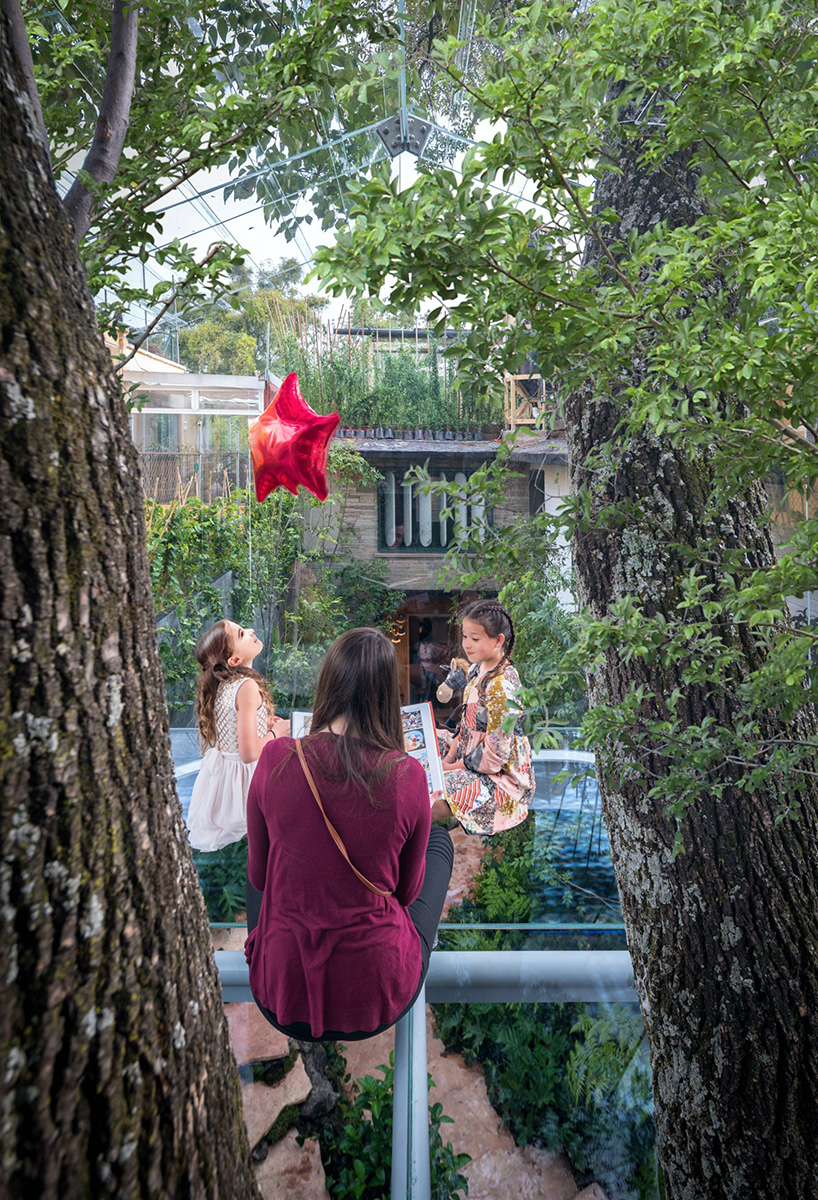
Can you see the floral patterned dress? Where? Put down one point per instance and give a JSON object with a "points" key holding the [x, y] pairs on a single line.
{"points": [[482, 802]]}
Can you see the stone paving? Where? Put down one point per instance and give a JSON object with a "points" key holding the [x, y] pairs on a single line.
{"points": [[292, 1172], [254, 1039], [498, 1169], [468, 851], [263, 1105]]}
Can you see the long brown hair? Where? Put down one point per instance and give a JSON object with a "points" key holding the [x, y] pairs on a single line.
{"points": [[495, 620], [213, 649], [358, 682]]}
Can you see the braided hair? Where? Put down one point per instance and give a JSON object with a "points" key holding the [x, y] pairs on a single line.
{"points": [[212, 650], [495, 620]]}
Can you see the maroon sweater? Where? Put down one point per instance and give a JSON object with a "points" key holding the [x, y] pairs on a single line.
{"points": [[326, 950]]}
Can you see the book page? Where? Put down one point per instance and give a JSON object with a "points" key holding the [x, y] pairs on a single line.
{"points": [[419, 738], [300, 723]]}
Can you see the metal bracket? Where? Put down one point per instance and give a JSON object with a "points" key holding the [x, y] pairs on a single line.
{"points": [[417, 135]]}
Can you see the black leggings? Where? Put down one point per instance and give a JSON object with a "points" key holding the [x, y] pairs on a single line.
{"points": [[424, 914]]}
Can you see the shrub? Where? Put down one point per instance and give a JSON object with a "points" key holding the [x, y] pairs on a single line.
{"points": [[572, 1078], [222, 875], [356, 1147]]}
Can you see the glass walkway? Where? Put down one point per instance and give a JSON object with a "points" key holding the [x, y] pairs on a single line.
{"points": [[559, 942]]}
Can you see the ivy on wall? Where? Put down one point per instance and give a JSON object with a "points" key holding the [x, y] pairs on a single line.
{"points": [[282, 567]]}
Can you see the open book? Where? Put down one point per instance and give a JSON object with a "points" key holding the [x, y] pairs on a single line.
{"points": [[419, 737]]}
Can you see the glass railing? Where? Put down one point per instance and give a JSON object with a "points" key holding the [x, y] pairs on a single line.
{"points": [[561, 1042], [549, 883], [570, 1083]]}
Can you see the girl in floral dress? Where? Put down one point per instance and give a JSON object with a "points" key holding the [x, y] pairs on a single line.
{"points": [[489, 776]]}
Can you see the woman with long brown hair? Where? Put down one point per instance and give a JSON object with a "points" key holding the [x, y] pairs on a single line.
{"points": [[346, 882]]}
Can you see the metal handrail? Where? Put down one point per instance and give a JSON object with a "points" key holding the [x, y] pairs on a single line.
{"points": [[465, 976], [494, 976]]}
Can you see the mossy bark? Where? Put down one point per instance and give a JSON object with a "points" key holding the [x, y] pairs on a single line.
{"points": [[724, 938], [118, 1076]]}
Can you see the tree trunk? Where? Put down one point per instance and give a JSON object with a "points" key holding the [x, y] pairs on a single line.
{"points": [[724, 938], [118, 1076]]}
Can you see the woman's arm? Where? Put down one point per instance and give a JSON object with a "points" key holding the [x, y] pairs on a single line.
{"points": [[248, 698], [412, 858], [258, 839]]}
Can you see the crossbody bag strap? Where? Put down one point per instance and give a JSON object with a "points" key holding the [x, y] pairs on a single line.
{"points": [[334, 834]]}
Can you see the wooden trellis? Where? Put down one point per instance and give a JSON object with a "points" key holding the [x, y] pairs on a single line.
{"points": [[519, 406]]}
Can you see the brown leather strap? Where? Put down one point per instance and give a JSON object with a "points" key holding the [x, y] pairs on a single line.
{"points": [[334, 834]]}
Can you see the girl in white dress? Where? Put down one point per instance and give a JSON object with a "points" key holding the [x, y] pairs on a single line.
{"points": [[236, 721]]}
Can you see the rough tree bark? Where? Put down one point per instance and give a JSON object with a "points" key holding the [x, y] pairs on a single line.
{"points": [[724, 939], [117, 1074], [16, 27]]}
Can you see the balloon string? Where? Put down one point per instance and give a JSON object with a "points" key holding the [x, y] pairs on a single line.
{"points": [[250, 526]]}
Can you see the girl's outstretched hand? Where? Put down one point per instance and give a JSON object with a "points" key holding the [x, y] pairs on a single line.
{"points": [[279, 727]]}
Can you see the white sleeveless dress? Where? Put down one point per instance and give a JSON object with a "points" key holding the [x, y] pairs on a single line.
{"points": [[218, 805]]}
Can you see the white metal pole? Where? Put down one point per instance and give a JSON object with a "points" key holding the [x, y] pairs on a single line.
{"points": [[411, 1168]]}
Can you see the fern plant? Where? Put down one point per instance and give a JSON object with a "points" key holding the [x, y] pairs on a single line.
{"points": [[222, 875], [356, 1148], [611, 1059]]}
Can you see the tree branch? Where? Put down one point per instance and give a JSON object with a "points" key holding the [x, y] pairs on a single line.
{"points": [[13, 15], [762, 116], [793, 435], [103, 156], [174, 295]]}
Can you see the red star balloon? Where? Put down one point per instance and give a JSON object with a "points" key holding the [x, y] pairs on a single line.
{"points": [[289, 443]]}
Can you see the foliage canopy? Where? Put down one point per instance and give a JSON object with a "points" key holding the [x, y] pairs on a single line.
{"points": [[213, 86], [716, 315]]}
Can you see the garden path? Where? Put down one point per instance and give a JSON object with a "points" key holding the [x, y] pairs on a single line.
{"points": [[498, 1168]]}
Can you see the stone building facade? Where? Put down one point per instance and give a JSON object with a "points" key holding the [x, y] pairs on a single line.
{"points": [[392, 521]]}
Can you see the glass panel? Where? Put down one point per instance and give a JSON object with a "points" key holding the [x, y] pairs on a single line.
{"points": [[389, 508], [209, 475], [571, 1085], [410, 521], [460, 507], [394, 513], [424, 518], [478, 513], [438, 503], [547, 884], [571, 843], [408, 532]]}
